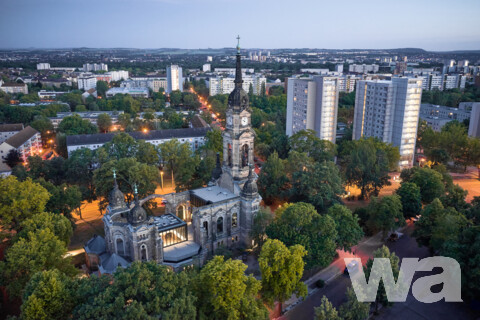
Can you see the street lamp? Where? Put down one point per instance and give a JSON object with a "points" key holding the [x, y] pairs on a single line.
{"points": [[161, 177]]}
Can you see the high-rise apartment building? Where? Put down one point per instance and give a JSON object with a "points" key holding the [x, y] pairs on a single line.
{"points": [[95, 67], [312, 103], [389, 110], [174, 78], [225, 85], [474, 128]]}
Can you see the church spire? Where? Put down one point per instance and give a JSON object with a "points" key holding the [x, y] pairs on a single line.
{"points": [[238, 69]]}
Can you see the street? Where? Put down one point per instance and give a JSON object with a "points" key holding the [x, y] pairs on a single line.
{"points": [[406, 246]]}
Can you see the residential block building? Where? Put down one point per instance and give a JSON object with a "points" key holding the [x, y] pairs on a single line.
{"points": [[174, 78], [389, 110], [312, 103], [27, 142]]}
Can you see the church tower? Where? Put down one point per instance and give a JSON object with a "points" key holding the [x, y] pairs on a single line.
{"points": [[238, 137]]}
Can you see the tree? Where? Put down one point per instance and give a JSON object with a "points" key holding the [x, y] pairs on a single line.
{"points": [[430, 183], [307, 141], [176, 155], [142, 291], [424, 226], [79, 169], [411, 199], [129, 172], [39, 251], [48, 295], [13, 158], [385, 214], [20, 201], [349, 232], [225, 292], [104, 122], [466, 250], [282, 270], [326, 311], [102, 88], [74, 124], [44, 125], [455, 198], [58, 224], [352, 309], [366, 165], [300, 223], [214, 141], [63, 199], [124, 119], [272, 179], [260, 222], [383, 252], [447, 228], [318, 183], [175, 97]]}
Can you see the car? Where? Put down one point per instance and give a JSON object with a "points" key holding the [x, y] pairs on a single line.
{"points": [[353, 265], [393, 237]]}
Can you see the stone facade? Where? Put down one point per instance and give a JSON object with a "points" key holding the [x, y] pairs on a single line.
{"points": [[197, 222]]}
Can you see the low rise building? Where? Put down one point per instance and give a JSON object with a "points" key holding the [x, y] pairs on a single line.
{"points": [[27, 142], [14, 88], [8, 130], [138, 92], [91, 116], [194, 136], [49, 95], [87, 82], [437, 116], [43, 66]]}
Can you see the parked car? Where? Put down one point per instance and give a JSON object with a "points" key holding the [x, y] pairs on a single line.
{"points": [[393, 237], [353, 265]]}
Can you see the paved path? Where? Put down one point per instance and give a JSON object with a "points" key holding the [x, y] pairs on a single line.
{"points": [[335, 290]]}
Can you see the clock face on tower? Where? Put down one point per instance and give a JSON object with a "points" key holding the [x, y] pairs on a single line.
{"points": [[244, 121], [229, 120]]}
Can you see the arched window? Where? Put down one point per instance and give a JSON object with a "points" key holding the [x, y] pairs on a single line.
{"points": [[220, 225], [181, 212], [205, 225], [143, 253], [230, 163], [245, 155], [120, 247], [234, 220]]}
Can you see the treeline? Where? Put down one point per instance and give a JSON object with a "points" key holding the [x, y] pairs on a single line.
{"points": [[451, 97], [451, 144], [136, 162]]}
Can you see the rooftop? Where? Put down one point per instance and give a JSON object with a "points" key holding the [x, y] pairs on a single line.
{"points": [[128, 90], [87, 114], [168, 221], [11, 127], [213, 194], [21, 137], [98, 138]]}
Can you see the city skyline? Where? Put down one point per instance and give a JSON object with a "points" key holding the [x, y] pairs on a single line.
{"points": [[189, 24]]}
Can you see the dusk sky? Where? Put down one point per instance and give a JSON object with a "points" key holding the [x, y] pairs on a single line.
{"points": [[333, 24]]}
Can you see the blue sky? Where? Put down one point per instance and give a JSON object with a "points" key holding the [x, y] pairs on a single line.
{"points": [[333, 24]]}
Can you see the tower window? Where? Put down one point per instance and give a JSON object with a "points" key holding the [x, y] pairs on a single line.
{"points": [[245, 155], [220, 225], [234, 220], [120, 246]]}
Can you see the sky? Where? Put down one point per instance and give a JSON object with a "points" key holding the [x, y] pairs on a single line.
{"points": [[437, 25]]}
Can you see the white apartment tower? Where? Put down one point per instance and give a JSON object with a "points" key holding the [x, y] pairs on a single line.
{"points": [[312, 103], [389, 110], [174, 78]]}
